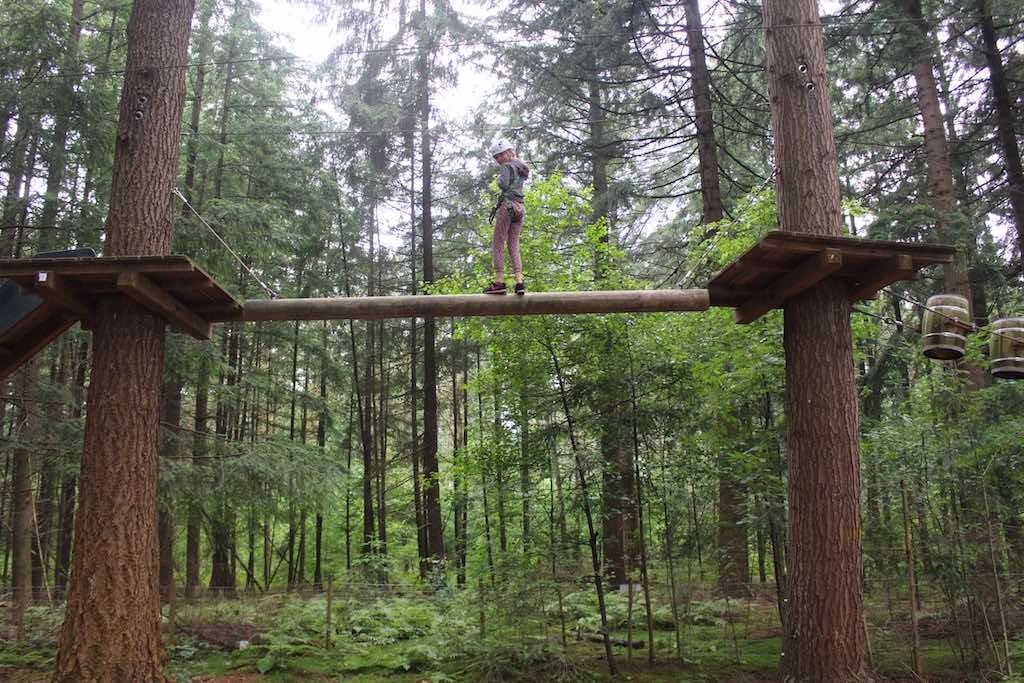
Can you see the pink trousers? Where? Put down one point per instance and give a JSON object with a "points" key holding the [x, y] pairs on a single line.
{"points": [[508, 226]]}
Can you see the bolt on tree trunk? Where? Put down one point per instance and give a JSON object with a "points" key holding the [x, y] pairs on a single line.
{"points": [[112, 621]]}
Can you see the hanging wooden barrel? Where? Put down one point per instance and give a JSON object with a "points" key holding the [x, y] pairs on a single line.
{"points": [[1006, 348], [947, 320]]}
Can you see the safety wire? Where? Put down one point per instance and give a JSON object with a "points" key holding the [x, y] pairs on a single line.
{"points": [[266, 288], [914, 302]]}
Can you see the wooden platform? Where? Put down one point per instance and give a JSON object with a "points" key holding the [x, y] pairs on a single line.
{"points": [[171, 286], [783, 264]]}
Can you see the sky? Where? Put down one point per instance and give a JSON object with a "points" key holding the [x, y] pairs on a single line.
{"points": [[300, 33], [297, 29]]}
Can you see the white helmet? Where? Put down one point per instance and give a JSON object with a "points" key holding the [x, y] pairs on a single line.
{"points": [[500, 145]]}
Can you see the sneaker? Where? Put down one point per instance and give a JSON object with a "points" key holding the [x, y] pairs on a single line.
{"points": [[495, 288], [520, 288]]}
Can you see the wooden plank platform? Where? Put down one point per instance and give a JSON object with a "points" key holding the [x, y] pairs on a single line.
{"points": [[783, 264], [171, 286]]}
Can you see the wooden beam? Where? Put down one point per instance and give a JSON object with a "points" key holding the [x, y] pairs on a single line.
{"points": [[146, 293], [469, 305], [56, 289], [810, 272], [894, 269]]}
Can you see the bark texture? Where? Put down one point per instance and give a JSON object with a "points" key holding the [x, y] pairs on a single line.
{"points": [[733, 554], [1003, 104], [21, 532], [733, 550], [949, 224], [111, 628], [707, 148], [431, 485], [824, 635]]}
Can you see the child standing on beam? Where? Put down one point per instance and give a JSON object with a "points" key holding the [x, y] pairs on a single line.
{"points": [[508, 216]]}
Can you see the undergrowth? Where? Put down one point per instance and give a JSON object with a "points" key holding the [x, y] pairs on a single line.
{"points": [[455, 636]]}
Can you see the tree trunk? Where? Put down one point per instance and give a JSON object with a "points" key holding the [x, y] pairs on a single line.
{"points": [[112, 620], [199, 453], [321, 442], [949, 224], [42, 520], [734, 573], [198, 92], [617, 472], [458, 476], [348, 485], [431, 483], [824, 633], [69, 486], [1005, 119], [291, 437], [524, 467], [170, 417], [733, 553], [57, 158], [499, 473], [707, 148], [461, 537], [952, 228], [381, 428], [414, 449], [225, 109], [617, 493], [16, 171], [21, 533], [592, 536], [221, 519], [358, 386]]}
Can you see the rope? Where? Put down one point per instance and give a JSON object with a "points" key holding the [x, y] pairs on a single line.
{"points": [[266, 288], [974, 328], [915, 302]]}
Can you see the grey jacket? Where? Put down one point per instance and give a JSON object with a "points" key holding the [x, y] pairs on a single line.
{"points": [[511, 178]]}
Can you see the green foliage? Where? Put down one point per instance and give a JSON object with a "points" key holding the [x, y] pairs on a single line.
{"points": [[388, 621], [515, 662], [39, 648]]}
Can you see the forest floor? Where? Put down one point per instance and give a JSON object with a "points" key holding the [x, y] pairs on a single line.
{"points": [[447, 637]]}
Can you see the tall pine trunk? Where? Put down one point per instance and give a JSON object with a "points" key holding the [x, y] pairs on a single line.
{"points": [[170, 417], [431, 483], [707, 147], [321, 442], [734, 573], [21, 527], [1005, 121], [56, 161], [112, 620], [824, 631], [69, 485], [200, 448], [949, 223]]}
